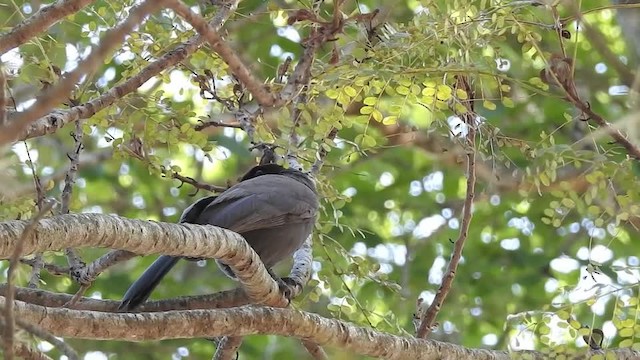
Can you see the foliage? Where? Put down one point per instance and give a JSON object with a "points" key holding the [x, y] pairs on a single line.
{"points": [[551, 246]]}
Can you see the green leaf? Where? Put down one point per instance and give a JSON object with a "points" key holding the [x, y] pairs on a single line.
{"points": [[488, 105], [390, 120], [350, 91]]}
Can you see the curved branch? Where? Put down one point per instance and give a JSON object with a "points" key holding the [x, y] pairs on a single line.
{"points": [[302, 267], [145, 238]]}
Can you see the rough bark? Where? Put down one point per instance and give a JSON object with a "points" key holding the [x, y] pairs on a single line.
{"points": [[249, 320], [145, 238]]}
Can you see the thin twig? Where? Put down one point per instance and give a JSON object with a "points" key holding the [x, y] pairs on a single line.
{"points": [[557, 76], [295, 91], [90, 272], [46, 336], [4, 100], [36, 266], [77, 296], [600, 43], [70, 178], [73, 259], [13, 263], [87, 274], [469, 117], [322, 152], [616, 134], [34, 278], [298, 84], [193, 182], [25, 352], [51, 268], [213, 123], [167, 172]]}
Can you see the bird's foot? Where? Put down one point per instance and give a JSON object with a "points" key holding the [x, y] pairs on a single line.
{"points": [[287, 286]]}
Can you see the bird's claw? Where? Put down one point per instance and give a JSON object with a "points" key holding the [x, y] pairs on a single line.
{"points": [[286, 286]]}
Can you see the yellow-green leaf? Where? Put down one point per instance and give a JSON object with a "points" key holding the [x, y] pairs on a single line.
{"points": [[371, 100], [366, 110], [390, 120], [350, 91], [489, 105]]}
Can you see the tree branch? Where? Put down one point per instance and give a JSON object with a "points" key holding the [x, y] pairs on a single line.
{"points": [[15, 251], [599, 42], [322, 152], [50, 123], [314, 350], [73, 259], [214, 123], [228, 348], [145, 238], [88, 274], [40, 22], [469, 118], [302, 266], [237, 67], [250, 320], [4, 100], [65, 348], [193, 182], [224, 299], [27, 353], [632, 149], [54, 95]]}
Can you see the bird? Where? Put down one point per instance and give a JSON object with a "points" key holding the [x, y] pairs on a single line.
{"points": [[272, 207]]}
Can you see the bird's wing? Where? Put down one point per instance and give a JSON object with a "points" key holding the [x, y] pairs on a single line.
{"points": [[190, 214], [263, 202]]}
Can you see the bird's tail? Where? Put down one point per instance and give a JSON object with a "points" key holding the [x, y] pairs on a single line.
{"points": [[140, 290]]}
